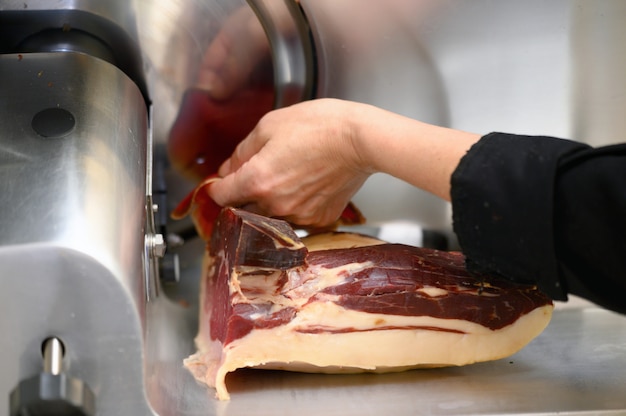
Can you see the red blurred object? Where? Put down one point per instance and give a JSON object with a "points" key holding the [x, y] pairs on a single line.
{"points": [[206, 131], [203, 209]]}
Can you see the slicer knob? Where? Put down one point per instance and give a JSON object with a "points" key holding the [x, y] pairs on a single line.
{"points": [[52, 392]]}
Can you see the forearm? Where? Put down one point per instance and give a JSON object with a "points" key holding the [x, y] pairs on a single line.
{"points": [[421, 154], [305, 162]]}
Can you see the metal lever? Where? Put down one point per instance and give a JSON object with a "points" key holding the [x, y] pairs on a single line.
{"points": [[52, 392]]}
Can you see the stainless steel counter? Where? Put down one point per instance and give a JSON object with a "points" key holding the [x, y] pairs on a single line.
{"points": [[576, 366]]}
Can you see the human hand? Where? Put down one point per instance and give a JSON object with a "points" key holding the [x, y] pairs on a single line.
{"points": [[299, 163]]}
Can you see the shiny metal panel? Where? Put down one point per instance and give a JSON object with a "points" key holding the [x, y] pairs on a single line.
{"points": [[58, 291], [108, 30], [72, 224], [86, 189]]}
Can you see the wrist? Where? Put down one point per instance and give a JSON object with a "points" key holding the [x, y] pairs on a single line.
{"points": [[421, 154], [363, 136]]}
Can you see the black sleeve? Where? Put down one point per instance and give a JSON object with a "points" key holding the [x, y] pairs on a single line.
{"points": [[547, 211]]}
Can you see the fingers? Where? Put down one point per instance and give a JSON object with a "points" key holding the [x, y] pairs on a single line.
{"points": [[291, 167], [240, 180], [228, 192], [225, 168], [252, 145], [243, 188], [249, 189]]}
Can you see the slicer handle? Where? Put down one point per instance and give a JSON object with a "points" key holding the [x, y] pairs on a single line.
{"points": [[52, 392]]}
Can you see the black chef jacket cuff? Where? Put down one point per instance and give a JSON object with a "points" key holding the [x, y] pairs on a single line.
{"points": [[502, 199]]}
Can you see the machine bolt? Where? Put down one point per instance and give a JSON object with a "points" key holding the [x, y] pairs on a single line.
{"points": [[156, 245]]}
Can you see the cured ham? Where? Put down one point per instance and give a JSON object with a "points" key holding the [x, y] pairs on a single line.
{"points": [[347, 303]]}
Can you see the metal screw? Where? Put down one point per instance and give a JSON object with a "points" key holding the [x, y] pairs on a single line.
{"points": [[156, 244]]}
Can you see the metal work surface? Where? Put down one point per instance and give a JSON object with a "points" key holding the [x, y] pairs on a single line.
{"points": [[576, 366]]}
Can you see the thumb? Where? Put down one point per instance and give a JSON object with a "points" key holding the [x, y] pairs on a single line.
{"points": [[225, 168], [252, 144], [229, 191]]}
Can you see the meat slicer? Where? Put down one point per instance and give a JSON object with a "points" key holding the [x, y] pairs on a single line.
{"points": [[78, 243], [82, 246]]}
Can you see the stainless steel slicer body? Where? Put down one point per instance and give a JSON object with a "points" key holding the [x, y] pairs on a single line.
{"points": [[73, 160]]}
